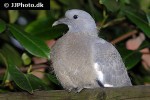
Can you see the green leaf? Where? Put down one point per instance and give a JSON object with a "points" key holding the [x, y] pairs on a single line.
{"points": [[18, 77], [12, 53], [66, 2], [98, 17], [145, 44], [53, 32], [7, 77], [27, 82], [54, 5], [72, 3], [3, 91], [2, 26], [37, 83], [142, 24], [38, 26], [44, 26], [52, 78], [31, 43], [130, 58], [148, 17], [146, 79], [111, 5], [144, 5], [13, 15], [41, 14]]}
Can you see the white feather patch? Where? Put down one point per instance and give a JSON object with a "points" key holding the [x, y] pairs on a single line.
{"points": [[99, 73], [108, 85]]}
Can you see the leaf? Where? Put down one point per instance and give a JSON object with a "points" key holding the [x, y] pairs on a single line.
{"points": [[41, 14], [52, 78], [145, 44], [66, 2], [13, 15], [111, 5], [144, 5], [6, 77], [130, 58], [54, 5], [53, 32], [71, 4], [26, 82], [45, 26], [93, 11], [136, 79], [146, 79], [142, 24], [3, 91], [38, 26], [12, 53], [18, 77], [37, 83], [31, 43], [2, 26], [148, 17]]}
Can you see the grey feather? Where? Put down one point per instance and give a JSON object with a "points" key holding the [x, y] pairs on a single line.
{"points": [[72, 61], [110, 62], [83, 60]]}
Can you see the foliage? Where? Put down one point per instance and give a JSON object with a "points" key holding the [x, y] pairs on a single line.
{"points": [[32, 30]]}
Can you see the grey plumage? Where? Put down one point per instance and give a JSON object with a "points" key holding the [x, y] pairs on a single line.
{"points": [[83, 60]]}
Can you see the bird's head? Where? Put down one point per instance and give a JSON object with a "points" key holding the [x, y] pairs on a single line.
{"points": [[78, 21]]}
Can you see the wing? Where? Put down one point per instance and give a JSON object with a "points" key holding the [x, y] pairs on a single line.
{"points": [[111, 71]]}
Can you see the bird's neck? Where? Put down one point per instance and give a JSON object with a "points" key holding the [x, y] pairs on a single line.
{"points": [[90, 32]]}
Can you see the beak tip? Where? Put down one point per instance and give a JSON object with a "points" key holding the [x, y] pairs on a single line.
{"points": [[60, 21], [55, 23]]}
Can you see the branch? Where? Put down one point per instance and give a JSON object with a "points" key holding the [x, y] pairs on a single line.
{"points": [[24, 69], [113, 22], [126, 35], [120, 93]]}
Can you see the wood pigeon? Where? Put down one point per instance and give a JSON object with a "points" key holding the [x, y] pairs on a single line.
{"points": [[83, 60]]}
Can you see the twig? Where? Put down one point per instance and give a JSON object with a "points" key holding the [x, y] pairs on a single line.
{"points": [[115, 21], [24, 69], [124, 36]]}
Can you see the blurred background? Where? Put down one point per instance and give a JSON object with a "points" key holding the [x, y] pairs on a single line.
{"points": [[26, 37]]}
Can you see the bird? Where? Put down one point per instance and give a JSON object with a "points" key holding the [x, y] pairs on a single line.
{"points": [[81, 59]]}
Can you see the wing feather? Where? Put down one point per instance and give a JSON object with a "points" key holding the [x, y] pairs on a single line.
{"points": [[110, 64]]}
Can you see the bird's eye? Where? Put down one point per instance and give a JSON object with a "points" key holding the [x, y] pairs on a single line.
{"points": [[75, 16]]}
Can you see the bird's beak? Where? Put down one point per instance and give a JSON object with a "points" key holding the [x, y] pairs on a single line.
{"points": [[60, 21]]}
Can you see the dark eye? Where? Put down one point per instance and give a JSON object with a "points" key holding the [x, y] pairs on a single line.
{"points": [[75, 16]]}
